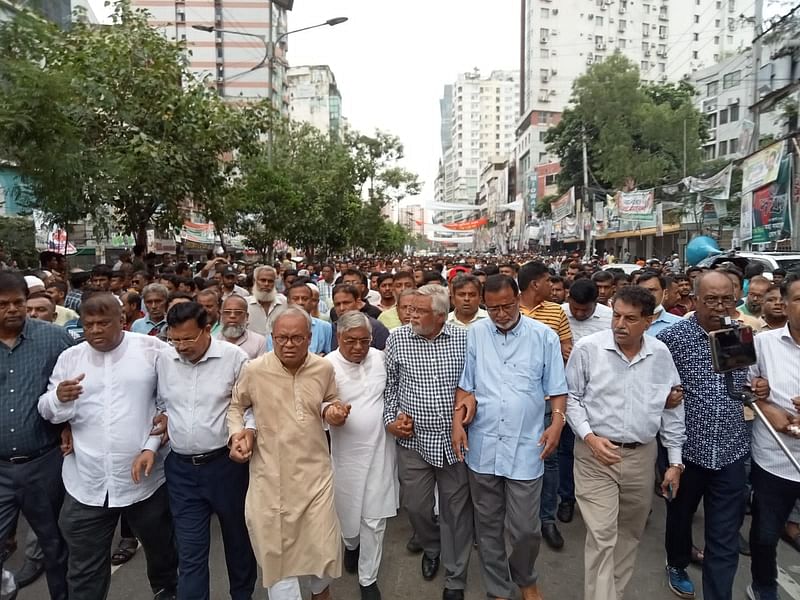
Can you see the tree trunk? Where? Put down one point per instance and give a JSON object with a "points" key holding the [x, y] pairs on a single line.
{"points": [[141, 235]]}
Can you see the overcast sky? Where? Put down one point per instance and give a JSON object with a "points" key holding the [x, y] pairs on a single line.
{"points": [[392, 59]]}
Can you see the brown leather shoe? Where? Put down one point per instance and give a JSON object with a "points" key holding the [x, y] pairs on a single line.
{"points": [[323, 595], [531, 592]]}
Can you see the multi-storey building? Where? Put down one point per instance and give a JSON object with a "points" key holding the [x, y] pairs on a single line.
{"points": [[243, 57], [314, 98], [478, 120], [412, 217], [559, 40]]}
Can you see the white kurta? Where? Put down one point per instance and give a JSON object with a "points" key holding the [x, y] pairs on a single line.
{"points": [[364, 457]]}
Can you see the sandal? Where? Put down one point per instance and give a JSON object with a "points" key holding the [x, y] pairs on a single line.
{"points": [[125, 551], [697, 556]]}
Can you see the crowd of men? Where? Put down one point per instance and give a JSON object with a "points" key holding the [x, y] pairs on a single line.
{"points": [[304, 403]]}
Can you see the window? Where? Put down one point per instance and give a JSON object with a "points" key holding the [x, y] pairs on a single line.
{"points": [[542, 135], [733, 111], [712, 88], [733, 146], [545, 13], [697, 18], [644, 65], [645, 30], [621, 25], [731, 80], [544, 53], [710, 152], [544, 117], [550, 179], [695, 54], [696, 37], [723, 148], [598, 20], [723, 116], [716, 39], [712, 120], [542, 156], [662, 67], [622, 43]]}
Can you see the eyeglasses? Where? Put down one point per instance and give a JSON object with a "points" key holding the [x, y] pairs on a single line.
{"points": [[282, 340], [177, 343], [357, 341], [233, 312], [714, 301], [423, 311], [504, 308]]}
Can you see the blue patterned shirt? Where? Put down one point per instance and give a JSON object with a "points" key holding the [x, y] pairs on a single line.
{"points": [[24, 373], [716, 435]]}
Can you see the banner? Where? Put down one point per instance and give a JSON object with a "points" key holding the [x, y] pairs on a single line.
{"points": [[636, 206], [717, 187], [772, 212], [564, 206], [466, 225], [200, 233], [547, 232], [659, 220], [746, 217], [762, 168]]}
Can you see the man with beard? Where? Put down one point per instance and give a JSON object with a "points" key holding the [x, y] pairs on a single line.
{"points": [[264, 299], [234, 327]]}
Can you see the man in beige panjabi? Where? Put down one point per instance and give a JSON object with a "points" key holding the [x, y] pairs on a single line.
{"points": [[289, 508]]}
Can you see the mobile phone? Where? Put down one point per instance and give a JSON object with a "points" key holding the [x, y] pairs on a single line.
{"points": [[670, 494], [732, 348]]}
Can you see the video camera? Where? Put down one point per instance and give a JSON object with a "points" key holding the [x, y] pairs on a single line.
{"points": [[732, 347]]}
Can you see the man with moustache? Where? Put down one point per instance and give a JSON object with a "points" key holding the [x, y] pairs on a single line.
{"points": [[264, 299], [234, 327]]}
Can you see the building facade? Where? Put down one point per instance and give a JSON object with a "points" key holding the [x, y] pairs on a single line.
{"points": [[314, 98], [241, 57]]}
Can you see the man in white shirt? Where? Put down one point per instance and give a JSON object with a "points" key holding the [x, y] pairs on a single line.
{"points": [[195, 383], [776, 482], [619, 383], [229, 275], [586, 316], [234, 327], [465, 290], [366, 488], [106, 390], [264, 299]]}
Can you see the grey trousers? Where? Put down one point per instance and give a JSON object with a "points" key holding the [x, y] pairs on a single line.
{"points": [[506, 509], [452, 538], [89, 531]]}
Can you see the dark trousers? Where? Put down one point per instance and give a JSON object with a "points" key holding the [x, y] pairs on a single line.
{"points": [[36, 489], [773, 499], [195, 493], [549, 499], [722, 492], [89, 531], [566, 462]]}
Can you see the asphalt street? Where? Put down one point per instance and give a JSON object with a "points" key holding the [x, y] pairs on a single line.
{"points": [[561, 573]]}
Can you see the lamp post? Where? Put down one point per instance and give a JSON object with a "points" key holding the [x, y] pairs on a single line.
{"points": [[269, 46]]}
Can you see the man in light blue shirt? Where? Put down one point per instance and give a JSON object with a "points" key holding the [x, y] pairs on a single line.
{"points": [[321, 331], [513, 362], [657, 285]]}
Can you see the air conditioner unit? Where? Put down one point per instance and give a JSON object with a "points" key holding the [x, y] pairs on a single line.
{"points": [[543, 41], [553, 72], [554, 32], [544, 98], [553, 92], [544, 78], [661, 53], [732, 101], [662, 36], [647, 52], [600, 46], [604, 7], [590, 17], [554, 11], [712, 134], [589, 59], [663, 77], [622, 10]]}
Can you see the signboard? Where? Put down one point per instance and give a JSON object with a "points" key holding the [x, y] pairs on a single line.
{"points": [[636, 206], [563, 207], [659, 220], [746, 217], [762, 168], [772, 214]]}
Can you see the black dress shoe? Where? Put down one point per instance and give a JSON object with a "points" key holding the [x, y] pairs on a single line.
{"points": [[430, 566], [413, 546], [552, 536], [566, 511], [31, 571], [370, 592], [452, 594], [351, 559]]}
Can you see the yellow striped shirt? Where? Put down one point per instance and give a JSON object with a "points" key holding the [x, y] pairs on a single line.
{"points": [[552, 315]]}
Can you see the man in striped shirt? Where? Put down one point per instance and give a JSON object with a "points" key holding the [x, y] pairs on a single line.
{"points": [[535, 288]]}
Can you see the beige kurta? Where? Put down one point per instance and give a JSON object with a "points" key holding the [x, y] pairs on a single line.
{"points": [[289, 508]]}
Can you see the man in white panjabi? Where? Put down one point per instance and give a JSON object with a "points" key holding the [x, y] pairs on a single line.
{"points": [[289, 508], [366, 488]]}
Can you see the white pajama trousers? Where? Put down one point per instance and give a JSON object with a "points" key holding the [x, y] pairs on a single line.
{"points": [[370, 538], [290, 588]]}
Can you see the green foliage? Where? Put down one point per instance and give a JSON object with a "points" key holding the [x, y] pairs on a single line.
{"points": [[17, 235], [633, 131]]}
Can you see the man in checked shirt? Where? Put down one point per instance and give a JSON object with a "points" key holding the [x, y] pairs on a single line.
{"points": [[424, 361]]}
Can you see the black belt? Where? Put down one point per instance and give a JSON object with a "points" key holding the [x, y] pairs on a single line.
{"points": [[202, 459], [628, 445], [22, 459]]}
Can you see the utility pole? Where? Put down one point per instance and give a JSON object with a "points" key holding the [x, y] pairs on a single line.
{"points": [[758, 29], [684, 148], [587, 236]]}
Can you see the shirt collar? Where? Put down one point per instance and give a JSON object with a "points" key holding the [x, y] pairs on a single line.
{"points": [[214, 351], [611, 344], [445, 332], [515, 330], [787, 335]]}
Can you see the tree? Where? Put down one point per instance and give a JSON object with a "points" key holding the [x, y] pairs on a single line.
{"points": [[633, 131], [109, 122]]}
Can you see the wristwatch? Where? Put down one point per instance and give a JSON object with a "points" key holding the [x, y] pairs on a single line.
{"points": [[680, 466]]}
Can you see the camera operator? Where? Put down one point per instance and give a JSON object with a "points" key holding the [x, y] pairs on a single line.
{"points": [[776, 482]]}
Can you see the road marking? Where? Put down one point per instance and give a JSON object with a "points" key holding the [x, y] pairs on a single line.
{"points": [[788, 583]]}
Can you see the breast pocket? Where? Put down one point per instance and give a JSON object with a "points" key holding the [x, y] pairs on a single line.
{"points": [[657, 397]]}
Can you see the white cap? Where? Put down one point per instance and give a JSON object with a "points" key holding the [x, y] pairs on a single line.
{"points": [[32, 282]]}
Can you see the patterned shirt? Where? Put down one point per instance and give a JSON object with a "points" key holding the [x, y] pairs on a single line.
{"points": [[552, 315], [24, 372], [421, 380], [73, 300], [716, 435]]}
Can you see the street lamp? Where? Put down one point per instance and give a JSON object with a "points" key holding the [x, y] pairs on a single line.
{"points": [[269, 45]]}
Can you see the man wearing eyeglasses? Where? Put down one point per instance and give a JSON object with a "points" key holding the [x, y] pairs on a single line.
{"points": [[290, 509], [234, 327], [195, 382], [716, 448]]}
